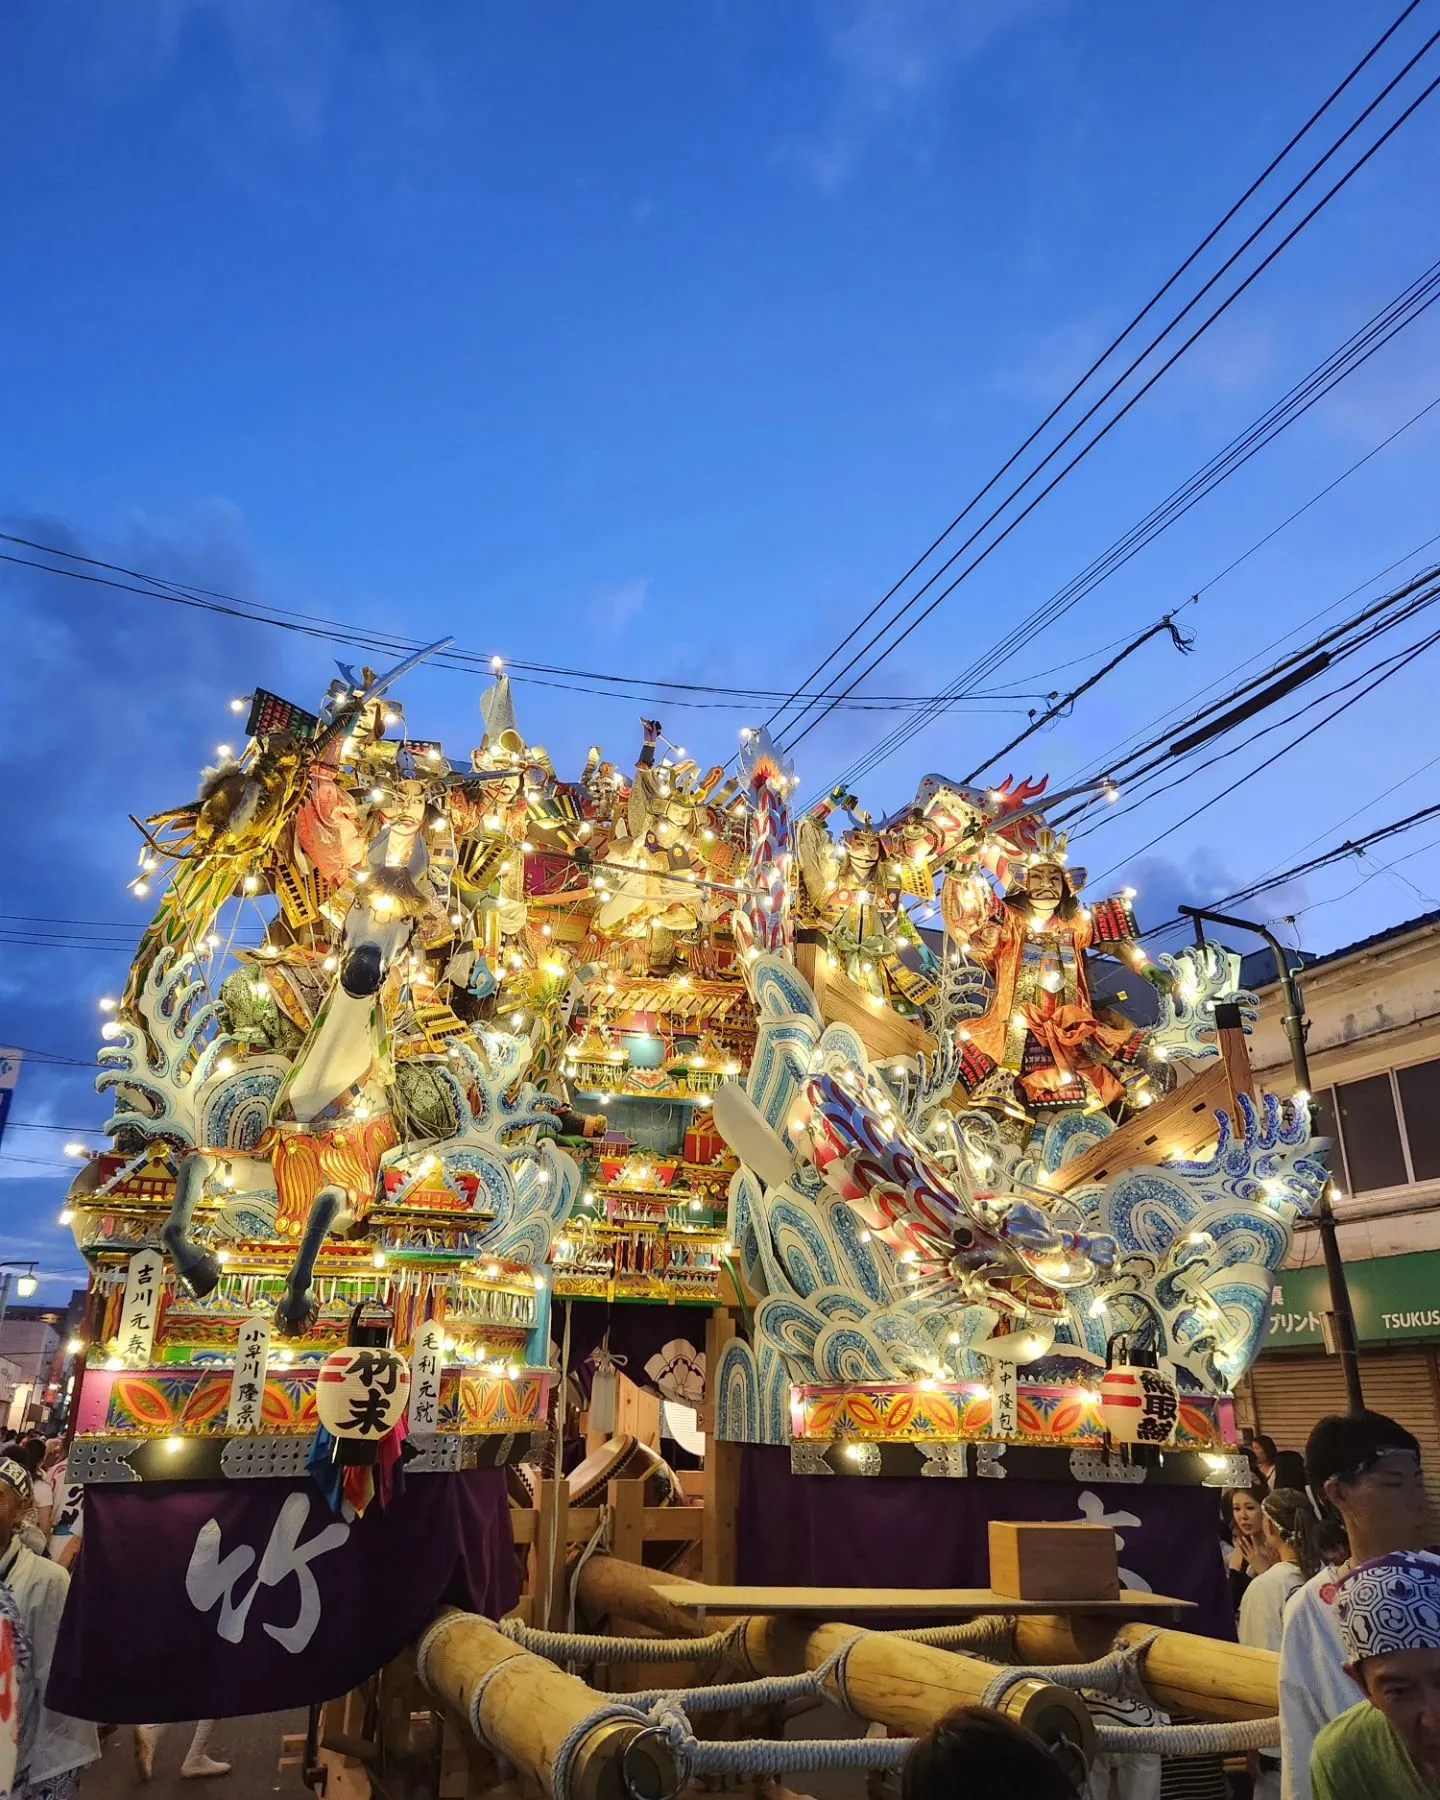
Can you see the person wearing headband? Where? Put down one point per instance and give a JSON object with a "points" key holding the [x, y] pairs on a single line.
{"points": [[53, 1749], [1290, 1531], [1367, 1467], [1388, 1614], [1289, 1528]]}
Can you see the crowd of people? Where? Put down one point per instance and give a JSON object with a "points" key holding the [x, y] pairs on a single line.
{"points": [[42, 1533], [1330, 1562], [1296, 1537]]}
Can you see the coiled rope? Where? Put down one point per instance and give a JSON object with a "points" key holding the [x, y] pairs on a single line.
{"points": [[991, 1637], [663, 1712], [987, 1634], [1116, 1673], [578, 1646], [1188, 1740]]}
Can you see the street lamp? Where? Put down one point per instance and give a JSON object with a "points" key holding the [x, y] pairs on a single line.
{"points": [[25, 1284], [1341, 1316]]}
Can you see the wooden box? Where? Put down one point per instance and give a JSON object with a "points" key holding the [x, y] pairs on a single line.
{"points": [[1053, 1562]]}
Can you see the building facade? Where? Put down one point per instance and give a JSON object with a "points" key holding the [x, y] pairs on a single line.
{"points": [[1373, 1011], [34, 1347]]}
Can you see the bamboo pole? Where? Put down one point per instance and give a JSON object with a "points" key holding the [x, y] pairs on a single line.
{"points": [[528, 1708], [910, 1684], [910, 1687], [622, 1594], [610, 1588], [1197, 1675]]}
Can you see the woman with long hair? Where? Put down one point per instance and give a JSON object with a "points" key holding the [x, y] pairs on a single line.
{"points": [[1291, 1532], [1249, 1555]]}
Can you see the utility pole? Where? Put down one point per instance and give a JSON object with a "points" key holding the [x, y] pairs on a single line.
{"points": [[1341, 1315]]}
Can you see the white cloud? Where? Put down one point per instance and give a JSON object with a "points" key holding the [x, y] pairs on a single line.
{"points": [[289, 76], [613, 608], [891, 57], [1056, 359]]}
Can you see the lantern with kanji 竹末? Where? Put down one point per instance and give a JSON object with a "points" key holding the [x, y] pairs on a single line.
{"points": [[361, 1395]]}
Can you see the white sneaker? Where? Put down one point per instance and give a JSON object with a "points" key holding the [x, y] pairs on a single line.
{"points": [[196, 1768]]}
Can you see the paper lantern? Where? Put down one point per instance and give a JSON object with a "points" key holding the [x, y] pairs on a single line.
{"points": [[361, 1395], [1138, 1406]]}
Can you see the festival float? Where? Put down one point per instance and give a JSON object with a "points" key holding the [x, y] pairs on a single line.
{"points": [[420, 1056]]}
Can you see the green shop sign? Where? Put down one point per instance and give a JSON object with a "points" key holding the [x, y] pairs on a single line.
{"points": [[1394, 1297]]}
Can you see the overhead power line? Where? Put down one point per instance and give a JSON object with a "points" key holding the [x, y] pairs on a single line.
{"points": [[1220, 467], [1370, 801], [1192, 498], [1227, 682], [1109, 425], [8, 919], [1383, 671], [1351, 847], [163, 588], [1063, 705], [1107, 353], [49, 944], [1312, 865], [1335, 645], [1390, 868], [53, 1057], [462, 661], [1030, 629], [69, 1130]]}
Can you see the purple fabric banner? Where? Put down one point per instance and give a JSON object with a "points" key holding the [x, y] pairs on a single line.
{"points": [[195, 1600], [638, 1330], [847, 1531]]}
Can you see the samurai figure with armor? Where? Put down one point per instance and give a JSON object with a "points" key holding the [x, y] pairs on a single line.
{"points": [[1040, 1043]]}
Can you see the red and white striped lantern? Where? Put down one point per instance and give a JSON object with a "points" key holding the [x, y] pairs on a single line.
{"points": [[360, 1395]]}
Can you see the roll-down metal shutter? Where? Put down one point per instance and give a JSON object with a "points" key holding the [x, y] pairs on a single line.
{"points": [[1291, 1392]]}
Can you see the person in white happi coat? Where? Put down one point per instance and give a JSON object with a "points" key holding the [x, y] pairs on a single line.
{"points": [[53, 1748], [1367, 1466]]}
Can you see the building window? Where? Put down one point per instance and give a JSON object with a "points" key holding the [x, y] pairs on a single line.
{"points": [[1326, 1125], [1385, 1130], [1374, 1150], [1419, 1087]]}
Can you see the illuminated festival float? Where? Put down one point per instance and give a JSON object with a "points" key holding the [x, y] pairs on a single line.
{"points": [[432, 1078]]}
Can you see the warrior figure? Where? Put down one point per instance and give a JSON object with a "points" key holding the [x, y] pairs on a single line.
{"points": [[1041, 1044]]}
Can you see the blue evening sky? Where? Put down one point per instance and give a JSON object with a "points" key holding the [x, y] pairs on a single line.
{"points": [[660, 338]]}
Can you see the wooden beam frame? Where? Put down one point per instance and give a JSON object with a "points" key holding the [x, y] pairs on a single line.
{"points": [[880, 1028], [1182, 1124]]}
